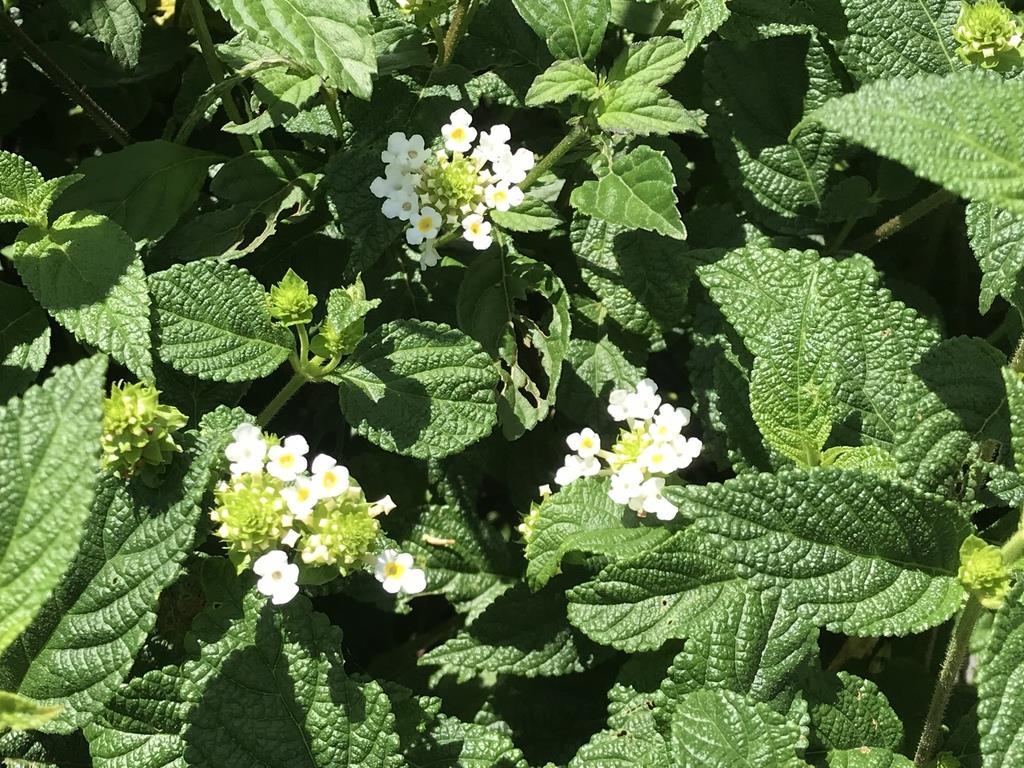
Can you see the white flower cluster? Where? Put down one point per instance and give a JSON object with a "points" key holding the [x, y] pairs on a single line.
{"points": [[456, 186], [649, 447], [277, 501]]}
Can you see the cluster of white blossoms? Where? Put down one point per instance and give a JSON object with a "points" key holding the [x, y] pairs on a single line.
{"points": [[279, 502], [649, 447], [455, 187]]}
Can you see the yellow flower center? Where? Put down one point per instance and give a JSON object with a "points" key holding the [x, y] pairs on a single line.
{"points": [[287, 460], [393, 570], [500, 196], [303, 493], [330, 479], [458, 133], [425, 224], [587, 443]]}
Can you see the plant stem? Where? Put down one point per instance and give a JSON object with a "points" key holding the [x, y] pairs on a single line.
{"points": [[460, 15], [956, 652], [294, 384], [1013, 549], [63, 80], [903, 220], [330, 98], [216, 69], [1017, 361], [571, 139]]}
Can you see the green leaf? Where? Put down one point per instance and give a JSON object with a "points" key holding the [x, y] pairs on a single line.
{"points": [[420, 389], [24, 340], [892, 573], [333, 40], [1000, 686], [145, 187], [722, 729], [582, 518], [49, 458], [84, 641], [638, 603], [1015, 404], [593, 369], [573, 29], [996, 239], [645, 110], [454, 744], [212, 322], [651, 63], [635, 190], [902, 38], [85, 273], [520, 633], [21, 714], [698, 20], [636, 742], [24, 196], [115, 23], [561, 81], [957, 131], [848, 712], [867, 757]]}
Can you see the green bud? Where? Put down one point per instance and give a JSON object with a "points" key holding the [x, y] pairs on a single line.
{"points": [[138, 432], [341, 532], [252, 515], [344, 327], [983, 572], [290, 302], [989, 35]]}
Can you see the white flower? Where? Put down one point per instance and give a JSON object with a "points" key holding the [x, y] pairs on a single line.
{"points": [[585, 443], [686, 449], [405, 153], [477, 230], [394, 182], [403, 205], [501, 196], [301, 498], [288, 460], [642, 404], [493, 145], [428, 255], [656, 504], [395, 571], [576, 467], [669, 423], [382, 506], [626, 484], [424, 227], [514, 166], [617, 404], [330, 479], [248, 450], [279, 579], [459, 133], [659, 459]]}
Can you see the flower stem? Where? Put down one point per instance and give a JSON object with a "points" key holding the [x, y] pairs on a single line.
{"points": [[330, 98], [216, 69], [570, 140], [904, 219], [956, 652], [63, 80], [460, 15], [294, 384], [1013, 549], [1017, 361]]}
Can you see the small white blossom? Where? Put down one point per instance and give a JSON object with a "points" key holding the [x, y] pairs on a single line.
{"points": [[248, 450], [669, 423], [408, 154], [477, 230], [330, 479], [395, 571], [424, 227], [458, 132], [626, 484], [493, 144], [288, 460], [585, 443], [404, 205], [279, 578], [428, 255], [659, 459], [514, 166], [617, 404], [544, 490], [394, 182], [576, 467], [301, 498], [502, 196]]}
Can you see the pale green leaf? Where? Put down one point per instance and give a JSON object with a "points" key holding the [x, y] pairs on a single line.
{"points": [[145, 187], [651, 63], [698, 20], [19, 179], [49, 459], [331, 39], [867, 757], [212, 322], [849, 712], [644, 110], [635, 190], [420, 389], [1001, 686], [573, 29], [454, 744], [20, 713], [114, 23], [997, 239], [959, 131], [24, 340], [85, 273], [561, 81]]}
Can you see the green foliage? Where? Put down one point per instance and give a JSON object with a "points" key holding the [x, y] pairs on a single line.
{"points": [[572, 28], [1000, 671], [24, 340]]}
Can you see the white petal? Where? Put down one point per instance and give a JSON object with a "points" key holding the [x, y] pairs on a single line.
{"points": [[414, 581]]}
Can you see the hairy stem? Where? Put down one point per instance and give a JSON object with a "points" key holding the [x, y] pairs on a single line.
{"points": [[1017, 361], [216, 69], [330, 98], [460, 16], [571, 139], [904, 219], [294, 385], [953, 662], [1013, 549], [63, 80]]}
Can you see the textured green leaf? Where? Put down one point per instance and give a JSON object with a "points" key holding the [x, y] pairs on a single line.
{"points": [[635, 190], [645, 110], [892, 573], [20, 183], [848, 712], [997, 238], [637, 742], [1015, 405], [49, 458], [419, 389], [958, 131], [24, 340], [454, 744], [651, 63], [698, 20], [330, 39], [83, 642], [867, 757], [593, 369], [582, 518], [145, 187], [900, 38], [573, 29], [20, 713], [561, 81], [85, 273], [640, 602], [212, 322], [1001, 686], [115, 23], [722, 729]]}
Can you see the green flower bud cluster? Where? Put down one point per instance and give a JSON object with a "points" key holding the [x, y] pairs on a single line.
{"points": [[983, 572], [252, 515], [454, 186], [138, 431], [290, 302], [989, 35], [341, 531]]}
